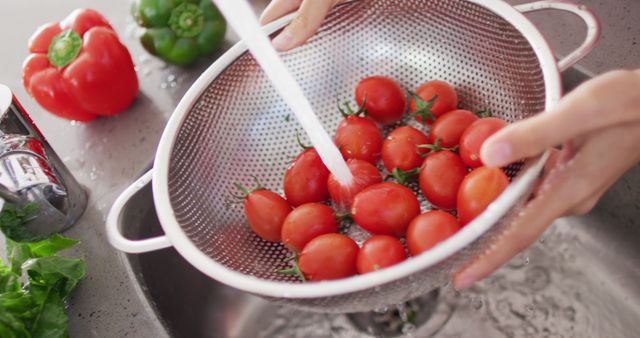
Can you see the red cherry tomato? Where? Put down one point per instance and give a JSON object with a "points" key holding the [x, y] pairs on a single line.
{"points": [[359, 138], [364, 175], [385, 209], [478, 189], [305, 181], [330, 256], [450, 126], [400, 150], [446, 101], [429, 229], [440, 178], [265, 212], [379, 252], [305, 223], [474, 136], [386, 102]]}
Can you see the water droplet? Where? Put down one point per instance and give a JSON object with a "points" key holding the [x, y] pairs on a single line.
{"points": [[529, 308], [408, 329], [383, 309], [163, 85], [569, 313], [93, 174], [525, 260], [477, 303], [171, 77], [143, 58]]}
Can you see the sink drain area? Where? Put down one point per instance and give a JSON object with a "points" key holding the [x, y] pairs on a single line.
{"points": [[425, 315], [421, 317]]}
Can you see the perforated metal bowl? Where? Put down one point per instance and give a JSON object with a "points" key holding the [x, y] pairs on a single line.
{"points": [[232, 124]]}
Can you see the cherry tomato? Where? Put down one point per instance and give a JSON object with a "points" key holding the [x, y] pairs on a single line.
{"points": [[478, 189], [386, 102], [265, 212], [379, 252], [474, 136], [446, 101], [400, 150], [450, 126], [329, 256], [359, 138], [385, 208], [305, 223], [305, 181], [440, 178], [364, 175], [429, 229]]}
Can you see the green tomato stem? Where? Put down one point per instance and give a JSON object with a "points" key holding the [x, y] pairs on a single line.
{"points": [[423, 109], [302, 145], [436, 147], [402, 176], [294, 270], [349, 112], [484, 113]]}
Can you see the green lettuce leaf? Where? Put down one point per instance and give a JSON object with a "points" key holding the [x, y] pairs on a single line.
{"points": [[52, 320], [13, 218], [9, 281], [37, 309], [19, 253], [62, 274], [17, 310]]}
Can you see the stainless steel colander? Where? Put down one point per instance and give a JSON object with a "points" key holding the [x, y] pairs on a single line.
{"points": [[232, 124]]}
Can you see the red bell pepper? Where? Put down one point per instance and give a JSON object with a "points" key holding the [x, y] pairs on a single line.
{"points": [[78, 69]]}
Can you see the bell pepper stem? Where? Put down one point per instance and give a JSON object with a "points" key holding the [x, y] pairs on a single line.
{"points": [[64, 48], [187, 20]]}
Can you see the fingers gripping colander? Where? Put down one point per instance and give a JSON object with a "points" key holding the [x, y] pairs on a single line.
{"points": [[232, 124]]}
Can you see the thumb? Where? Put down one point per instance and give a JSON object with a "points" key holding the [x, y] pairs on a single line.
{"points": [[607, 100]]}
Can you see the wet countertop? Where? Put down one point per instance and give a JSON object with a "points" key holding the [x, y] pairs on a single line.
{"points": [[108, 154]]}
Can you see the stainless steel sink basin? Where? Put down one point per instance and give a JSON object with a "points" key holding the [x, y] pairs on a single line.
{"points": [[579, 280]]}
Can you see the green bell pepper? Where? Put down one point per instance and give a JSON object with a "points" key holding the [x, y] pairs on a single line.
{"points": [[179, 31]]}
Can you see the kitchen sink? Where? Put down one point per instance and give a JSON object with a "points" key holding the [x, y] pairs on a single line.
{"points": [[579, 280]]}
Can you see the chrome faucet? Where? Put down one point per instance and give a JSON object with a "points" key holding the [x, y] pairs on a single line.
{"points": [[34, 183]]}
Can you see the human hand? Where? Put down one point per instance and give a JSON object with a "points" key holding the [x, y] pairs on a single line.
{"points": [[310, 16], [598, 125]]}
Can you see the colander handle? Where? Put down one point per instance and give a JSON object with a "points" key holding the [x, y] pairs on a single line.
{"points": [[116, 238], [589, 18]]}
